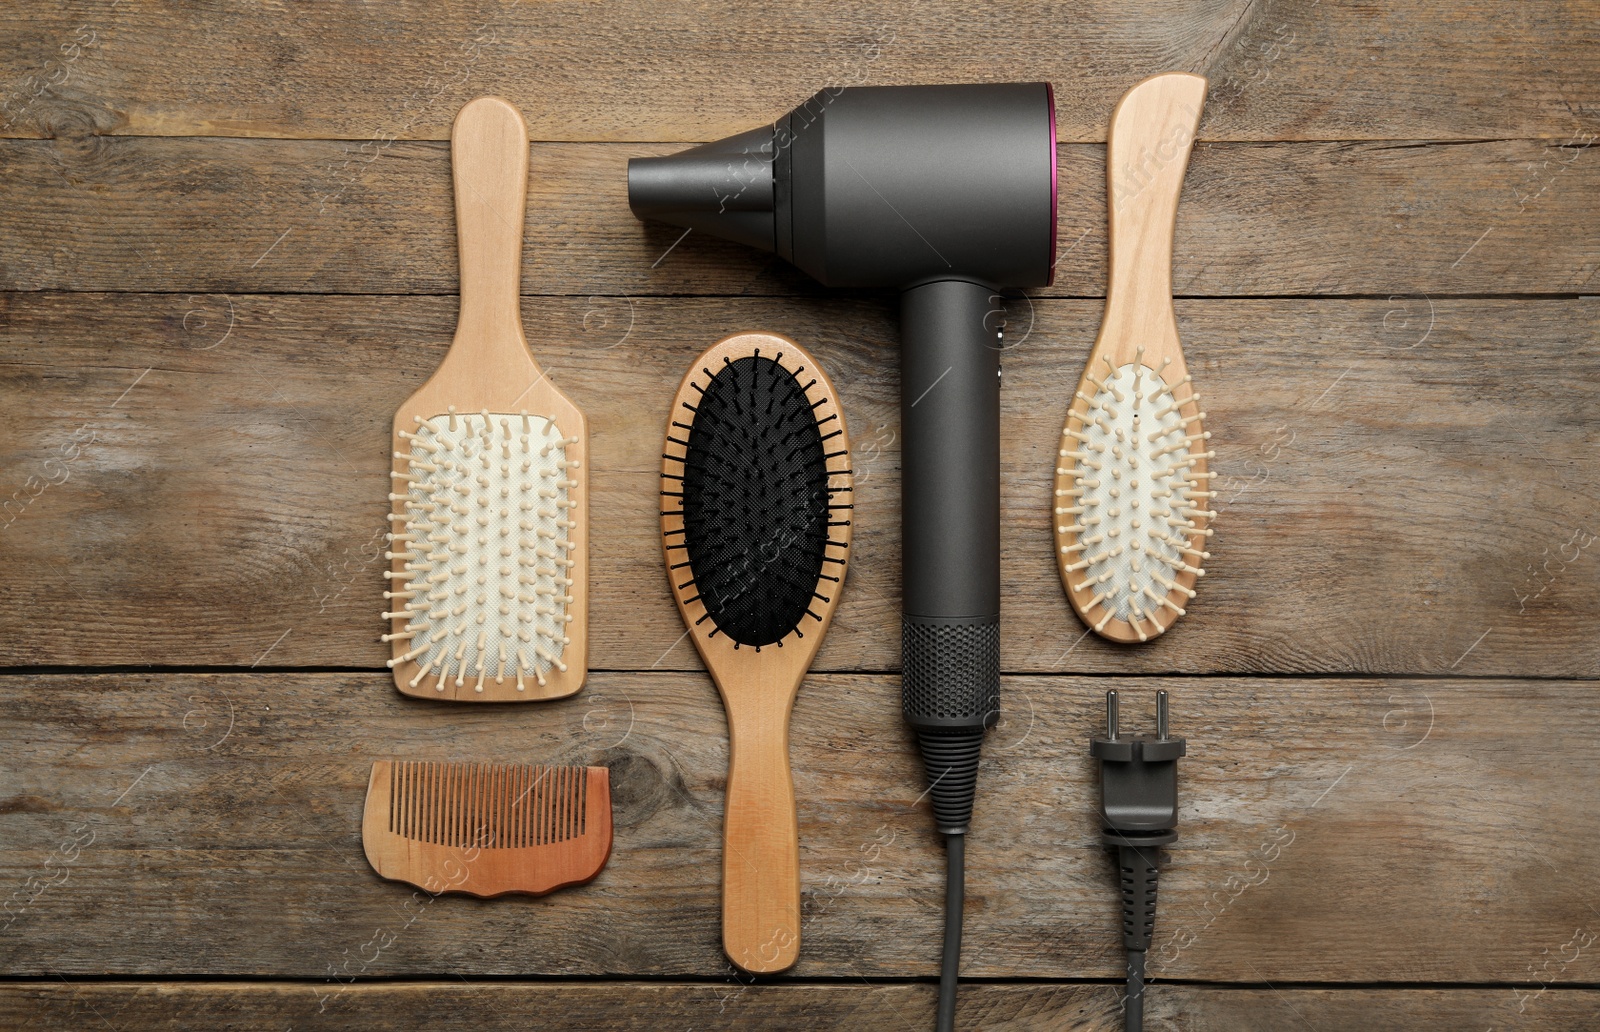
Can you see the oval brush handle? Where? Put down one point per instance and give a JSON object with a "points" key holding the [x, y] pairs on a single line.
{"points": [[761, 843], [489, 161], [1147, 153]]}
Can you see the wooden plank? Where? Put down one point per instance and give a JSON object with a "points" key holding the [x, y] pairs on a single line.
{"points": [[201, 479], [1333, 830], [872, 1007], [1490, 217], [1286, 69]]}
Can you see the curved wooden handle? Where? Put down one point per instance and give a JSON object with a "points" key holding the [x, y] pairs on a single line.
{"points": [[760, 844], [1147, 153], [489, 161]]}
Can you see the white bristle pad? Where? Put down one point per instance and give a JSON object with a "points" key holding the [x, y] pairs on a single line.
{"points": [[487, 583], [1135, 502]]}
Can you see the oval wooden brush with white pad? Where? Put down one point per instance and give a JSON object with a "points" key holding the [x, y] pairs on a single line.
{"points": [[1132, 491], [489, 549]]}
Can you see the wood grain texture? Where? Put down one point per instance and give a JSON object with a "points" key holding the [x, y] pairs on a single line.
{"points": [[761, 850], [1283, 69], [1343, 829], [193, 473], [499, 1007], [151, 439], [109, 213]]}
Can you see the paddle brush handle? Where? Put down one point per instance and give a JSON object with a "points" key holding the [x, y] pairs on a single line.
{"points": [[761, 845], [950, 465], [489, 161], [1147, 153]]}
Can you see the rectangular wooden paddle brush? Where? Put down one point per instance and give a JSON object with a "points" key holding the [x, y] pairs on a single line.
{"points": [[488, 597], [486, 829]]}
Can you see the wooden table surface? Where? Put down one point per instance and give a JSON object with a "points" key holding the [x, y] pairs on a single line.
{"points": [[227, 254]]}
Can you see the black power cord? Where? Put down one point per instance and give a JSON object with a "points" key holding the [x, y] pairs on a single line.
{"points": [[1139, 807], [955, 847], [951, 760]]}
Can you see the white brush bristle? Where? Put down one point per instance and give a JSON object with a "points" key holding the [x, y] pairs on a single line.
{"points": [[1136, 502], [486, 550]]}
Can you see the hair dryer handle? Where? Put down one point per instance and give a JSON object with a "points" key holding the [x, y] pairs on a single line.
{"points": [[950, 469]]}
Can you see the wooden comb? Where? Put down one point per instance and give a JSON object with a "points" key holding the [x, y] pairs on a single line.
{"points": [[488, 599], [486, 829]]}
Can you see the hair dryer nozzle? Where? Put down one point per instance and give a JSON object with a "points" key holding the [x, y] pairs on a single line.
{"points": [[723, 188]]}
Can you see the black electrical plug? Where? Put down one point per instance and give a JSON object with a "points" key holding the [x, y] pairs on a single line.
{"points": [[1139, 810]]}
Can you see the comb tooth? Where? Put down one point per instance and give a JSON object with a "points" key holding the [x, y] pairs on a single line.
{"points": [[552, 794], [503, 823], [541, 804], [469, 804], [460, 774], [413, 800], [469, 826], [408, 800], [434, 813], [485, 820], [572, 802], [558, 803], [525, 806], [484, 823], [508, 832], [547, 801], [453, 828], [480, 837], [395, 770], [493, 816], [444, 806], [583, 801], [505, 796], [533, 805], [416, 799], [547, 806], [496, 818], [441, 805], [512, 780], [539, 798], [425, 808], [463, 802]]}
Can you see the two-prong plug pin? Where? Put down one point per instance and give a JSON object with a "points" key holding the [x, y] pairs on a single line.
{"points": [[1138, 780], [1139, 812]]}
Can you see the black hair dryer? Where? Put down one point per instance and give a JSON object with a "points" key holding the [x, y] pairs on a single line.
{"points": [[947, 193]]}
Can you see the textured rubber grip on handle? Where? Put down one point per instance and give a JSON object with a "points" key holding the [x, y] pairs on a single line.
{"points": [[950, 673]]}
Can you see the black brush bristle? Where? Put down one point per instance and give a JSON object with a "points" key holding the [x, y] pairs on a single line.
{"points": [[755, 499]]}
